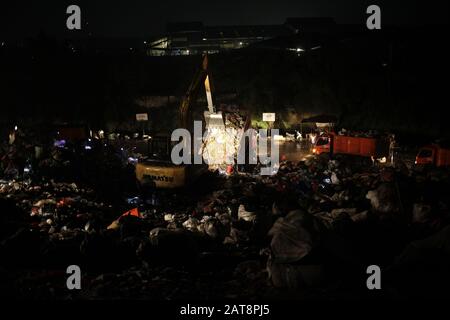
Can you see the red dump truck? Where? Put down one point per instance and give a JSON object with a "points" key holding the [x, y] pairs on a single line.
{"points": [[433, 154], [359, 146]]}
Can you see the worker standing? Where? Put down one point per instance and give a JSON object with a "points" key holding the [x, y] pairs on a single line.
{"points": [[391, 148], [313, 138]]}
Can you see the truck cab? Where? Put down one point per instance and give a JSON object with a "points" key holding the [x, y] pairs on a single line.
{"points": [[425, 155], [322, 145], [434, 154]]}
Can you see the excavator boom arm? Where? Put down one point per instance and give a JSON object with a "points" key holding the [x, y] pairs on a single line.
{"points": [[200, 77]]}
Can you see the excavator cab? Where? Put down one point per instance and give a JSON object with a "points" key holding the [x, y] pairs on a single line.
{"points": [[157, 170], [159, 148]]}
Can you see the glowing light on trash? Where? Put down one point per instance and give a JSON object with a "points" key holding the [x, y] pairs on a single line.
{"points": [[133, 160], [59, 143]]}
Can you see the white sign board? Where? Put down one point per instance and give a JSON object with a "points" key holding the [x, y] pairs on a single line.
{"points": [[323, 124], [141, 116], [269, 117]]}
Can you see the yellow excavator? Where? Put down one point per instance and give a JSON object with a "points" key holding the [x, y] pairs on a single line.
{"points": [[157, 170]]}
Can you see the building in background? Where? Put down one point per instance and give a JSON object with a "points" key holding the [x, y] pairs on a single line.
{"points": [[187, 38]]}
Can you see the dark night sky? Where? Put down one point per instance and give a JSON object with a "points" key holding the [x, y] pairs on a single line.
{"points": [[137, 18]]}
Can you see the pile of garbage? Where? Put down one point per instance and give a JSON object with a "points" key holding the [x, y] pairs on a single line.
{"points": [[221, 145], [353, 133], [313, 227]]}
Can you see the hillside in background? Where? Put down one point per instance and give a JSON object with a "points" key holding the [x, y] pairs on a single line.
{"points": [[360, 78]]}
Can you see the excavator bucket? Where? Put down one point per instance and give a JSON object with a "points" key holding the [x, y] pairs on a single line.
{"points": [[213, 119]]}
